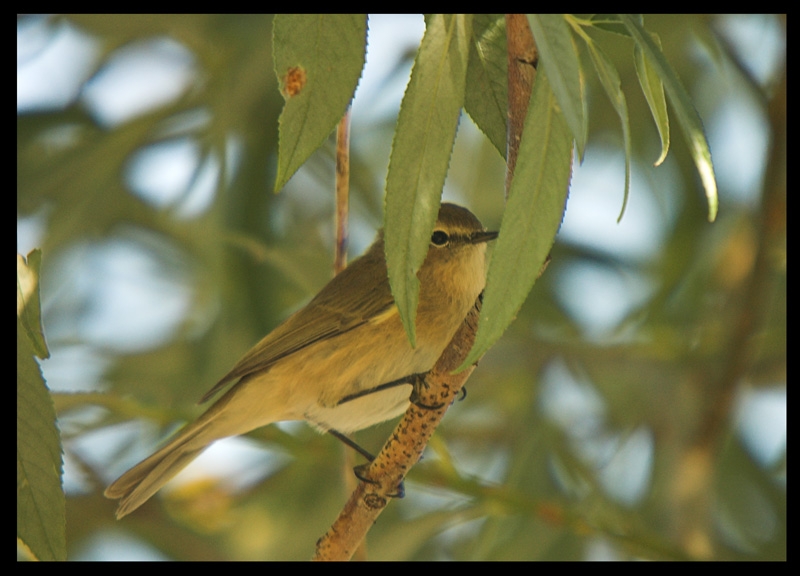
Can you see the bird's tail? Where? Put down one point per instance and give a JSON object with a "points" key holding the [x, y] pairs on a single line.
{"points": [[246, 406], [139, 483]]}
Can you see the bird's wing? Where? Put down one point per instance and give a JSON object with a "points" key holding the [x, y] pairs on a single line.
{"points": [[354, 297]]}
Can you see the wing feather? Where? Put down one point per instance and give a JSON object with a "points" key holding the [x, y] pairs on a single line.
{"points": [[352, 298]]}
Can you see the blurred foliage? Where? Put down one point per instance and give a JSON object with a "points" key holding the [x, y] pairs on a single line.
{"points": [[508, 476]]}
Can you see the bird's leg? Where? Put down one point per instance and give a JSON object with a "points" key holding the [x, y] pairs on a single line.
{"points": [[412, 379], [360, 471], [417, 381], [348, 442]]}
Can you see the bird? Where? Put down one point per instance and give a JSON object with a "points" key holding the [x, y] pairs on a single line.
{"points": [[341, 363]]}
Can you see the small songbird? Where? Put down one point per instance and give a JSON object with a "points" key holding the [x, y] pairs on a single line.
{"points": [[330, 362]]}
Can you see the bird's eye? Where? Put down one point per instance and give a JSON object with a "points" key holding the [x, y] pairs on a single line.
{"points": [[439, 238]]}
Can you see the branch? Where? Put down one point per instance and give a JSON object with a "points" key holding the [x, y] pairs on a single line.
{"points": [[523, 57], [342, 191]]}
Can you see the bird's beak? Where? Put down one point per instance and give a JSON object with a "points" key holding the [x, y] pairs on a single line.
{"points": [[485, 236]]}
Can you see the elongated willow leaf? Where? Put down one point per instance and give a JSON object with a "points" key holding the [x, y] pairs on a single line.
{"points": [[486, 96], [609, 78], [559, 57], [423, 142], [687, 115], [532, 217], [41, 512], [318, 59], [653, 89]]}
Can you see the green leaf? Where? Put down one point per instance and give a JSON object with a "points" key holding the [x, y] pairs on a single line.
{"points": [[609, 78], [559, 56], [609, 23], [28, 310], [318, 59], [687, 115], [423, 142], [532, 217], [653, 90], [41, 515], [486, 97]]}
